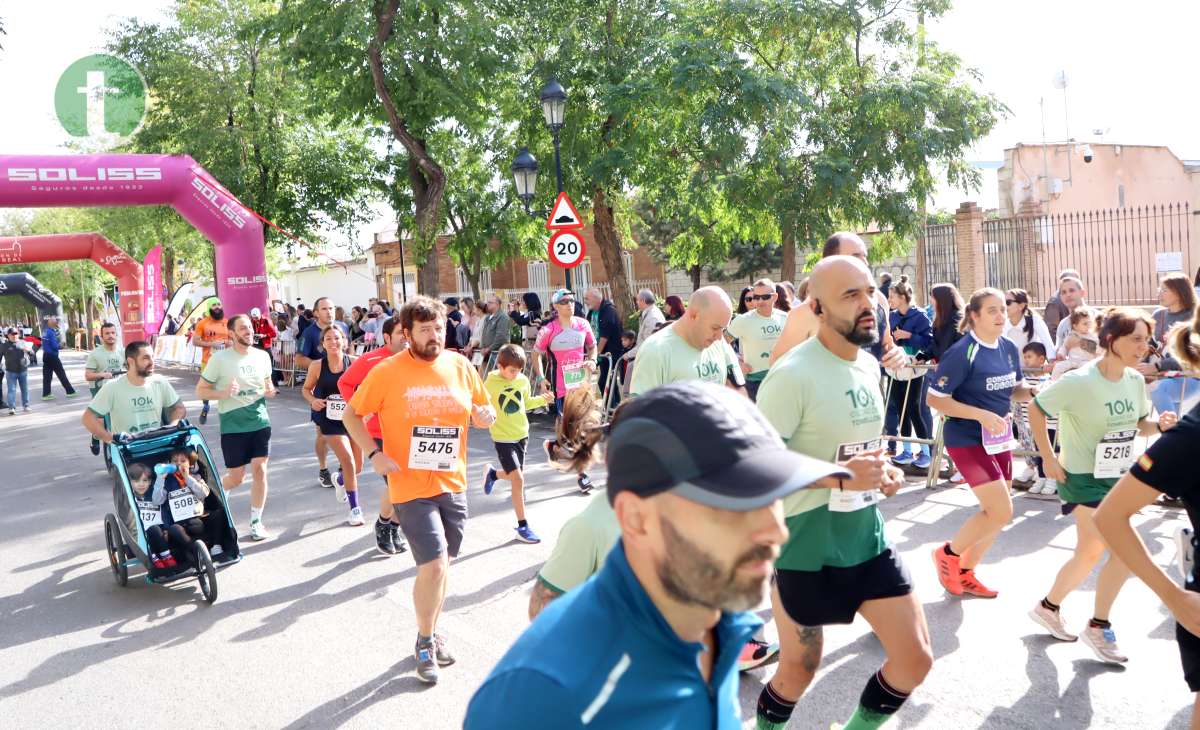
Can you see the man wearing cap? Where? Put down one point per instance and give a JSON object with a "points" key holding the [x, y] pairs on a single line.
{"points": [[691, 348], [212, 335], [823, 396], [695, 476]]}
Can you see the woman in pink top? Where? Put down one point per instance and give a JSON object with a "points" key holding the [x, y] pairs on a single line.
{"points": [[570, 341]]}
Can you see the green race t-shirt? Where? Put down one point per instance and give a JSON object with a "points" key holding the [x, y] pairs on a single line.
{"points": [[757, 335], [102, 360], [583, 543], [1089, 406], [246, 409], [134, 408], [825, 407], [665, 357]]}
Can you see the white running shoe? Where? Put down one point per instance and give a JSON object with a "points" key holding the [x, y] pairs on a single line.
{"points": [[1052, 622], [1185, 553], [957, 477], [355, 517], [1049, 488], [339, 486], [216, 550], [1037, 486], [257, 531], [1028, 475], [1103, 642]]}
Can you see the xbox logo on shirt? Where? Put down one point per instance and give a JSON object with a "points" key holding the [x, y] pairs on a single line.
{"points": [[511, 400], [100, 95]]}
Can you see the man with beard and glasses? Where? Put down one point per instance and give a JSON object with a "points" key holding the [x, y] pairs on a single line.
{"points": [[824, 398], [695, 476], [134, 402], [103, 364], [424, 398], [212, 335], [239, 379]]}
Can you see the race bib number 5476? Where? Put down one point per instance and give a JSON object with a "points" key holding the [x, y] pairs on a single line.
{"points": [[434, 448]]}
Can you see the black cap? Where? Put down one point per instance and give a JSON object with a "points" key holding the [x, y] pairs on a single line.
{"points": [[708, 444]]}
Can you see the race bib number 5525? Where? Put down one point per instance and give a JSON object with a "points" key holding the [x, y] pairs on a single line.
{"points": [[434, 448]]}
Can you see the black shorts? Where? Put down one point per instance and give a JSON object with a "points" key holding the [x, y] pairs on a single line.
{"points": [[240, 448], [833, 595], [511, 454], [1069, 507], [328, 426], [1189, 648]]}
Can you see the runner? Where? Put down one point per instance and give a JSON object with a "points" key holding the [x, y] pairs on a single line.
{"points": [[309, 350], [424, 398], [692, 347], [387, 528], [325, 399], [211, 335], [571, 342], [974, 386], [650, 641], [1101, 408], [1167, 467], [239, 379], [757, 330], [824, 398], [134, 402], [103, 363]]}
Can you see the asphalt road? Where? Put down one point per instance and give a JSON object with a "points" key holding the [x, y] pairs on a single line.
{"points": [[315, 628]]}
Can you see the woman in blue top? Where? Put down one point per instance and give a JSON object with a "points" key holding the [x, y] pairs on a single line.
{"points": [[906, 411], [973, 387]]}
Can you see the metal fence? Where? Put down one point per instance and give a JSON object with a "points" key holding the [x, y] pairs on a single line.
{"points": [[1002, 253], [544, 293], [941, 254]]}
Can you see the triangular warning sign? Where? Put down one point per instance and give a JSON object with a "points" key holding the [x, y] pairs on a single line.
{"points": [[563, 215]]}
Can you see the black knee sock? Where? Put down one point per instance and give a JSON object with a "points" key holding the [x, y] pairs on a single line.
{"points": [[880, 697], [772, 707]]}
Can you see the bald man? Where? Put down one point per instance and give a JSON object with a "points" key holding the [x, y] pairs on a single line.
{"points": [[823, 397], [802, 322], [691, 348]]}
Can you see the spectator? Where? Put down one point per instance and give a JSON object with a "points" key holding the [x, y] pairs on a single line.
{"points": [[1056, 311], [453, 319], [494, 330], [885, 283], [674, 308], [948, 309], [357, 316], [1072, 295], [743, 305], [51, 364], [14, 359], [529, 320], [1024, 324], [606, 326], [794, 298], [911, 330], [1082, 344], [651, 319], [783, 298], [1178, 300]]}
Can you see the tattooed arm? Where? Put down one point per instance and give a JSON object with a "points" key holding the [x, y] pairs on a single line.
{"points": [[541, 595]]}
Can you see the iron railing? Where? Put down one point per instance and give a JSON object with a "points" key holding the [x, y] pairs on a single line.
{"points": [[941, 255]]}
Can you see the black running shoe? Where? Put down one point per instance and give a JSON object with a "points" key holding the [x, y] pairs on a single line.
{"points": [[397, 538], [585, 483], [203, 416], [427, 665], [324, 478], [95, 445], [383, 538]]}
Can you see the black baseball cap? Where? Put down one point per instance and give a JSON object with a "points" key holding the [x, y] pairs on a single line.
{"points": [[707, 444]]}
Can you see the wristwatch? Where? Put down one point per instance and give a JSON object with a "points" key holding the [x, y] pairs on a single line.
{"points": [[372, 454]]}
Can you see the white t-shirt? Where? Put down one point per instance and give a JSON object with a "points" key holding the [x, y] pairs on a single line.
{"points": [[1041, 333]]}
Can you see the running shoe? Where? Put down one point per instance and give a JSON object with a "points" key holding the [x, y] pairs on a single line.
{"points": [[48, 397], [903, 458], [258, 531], [427, 666], [204, 415], [339, 487], [489, 479], [26, 409], [216, 551], [95, 445], [972, 587], [1036, 487], [444, 657], [1103, 643], [383, 538], [1052, 622], [170, 562], [1028, 475], [1185, 548], [13, 412], [584, 482], [1049, 488], [948, 570], [355, 517], [397, 538], [756, 654], [761, 723], [548, 446], [158, 563], [957, 477], [922, 461], [524, 534], [324, 480], [73, 393]]}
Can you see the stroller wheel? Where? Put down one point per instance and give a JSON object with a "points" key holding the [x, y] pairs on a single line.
{"points": [[206, 572], [116, 550]]}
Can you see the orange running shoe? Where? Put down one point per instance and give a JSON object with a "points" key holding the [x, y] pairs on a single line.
{"points": [[972, 587], [948, 570]]}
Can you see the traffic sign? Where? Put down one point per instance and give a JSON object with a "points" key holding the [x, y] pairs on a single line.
{"points": [[566, 249], [563, 215]]}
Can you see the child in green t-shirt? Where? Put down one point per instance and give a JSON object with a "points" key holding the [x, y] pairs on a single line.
{"points": [[509, 392]]}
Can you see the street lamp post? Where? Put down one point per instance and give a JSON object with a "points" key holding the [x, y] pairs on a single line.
{"points": [[525, 168]]}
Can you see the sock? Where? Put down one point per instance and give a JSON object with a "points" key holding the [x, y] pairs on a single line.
{"points": [[422, 639], [949, 551], [772, 707], [522, 523], [353, 498], [964, 571], [1046, 604], [879, 701], [1096, 623], [383, 520], [255, 514], [925, 449]]}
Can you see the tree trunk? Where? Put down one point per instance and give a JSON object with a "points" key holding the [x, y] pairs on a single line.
{"points": [[787, 270], [695, 273], [609, 242], [425, 245]]}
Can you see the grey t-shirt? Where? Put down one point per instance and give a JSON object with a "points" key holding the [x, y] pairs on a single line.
{"points": [[1164, 320]]}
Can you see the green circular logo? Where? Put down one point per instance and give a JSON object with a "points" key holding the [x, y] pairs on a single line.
{"points": [[100, 95]]}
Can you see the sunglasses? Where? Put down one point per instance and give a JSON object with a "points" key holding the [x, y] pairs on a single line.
{"points": [[565, 301], [1011, 301], [759, 297]]}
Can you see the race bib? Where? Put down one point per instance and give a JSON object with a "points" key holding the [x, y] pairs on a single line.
{"points": [[477, 359], [1114, 454], [335, 408], [434, 448], [149, 513], [574, 375], [183, 504], [999, 443], [844, 501]]}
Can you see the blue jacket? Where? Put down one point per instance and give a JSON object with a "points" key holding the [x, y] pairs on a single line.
{"points": [[50, 341], [603, 656], [916, 323]]}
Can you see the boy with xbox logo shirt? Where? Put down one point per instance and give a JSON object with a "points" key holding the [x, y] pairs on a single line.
{"points": [[757, 331], [824, 399], [103, 364]]}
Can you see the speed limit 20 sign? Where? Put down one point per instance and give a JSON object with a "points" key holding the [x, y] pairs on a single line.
{"points": [[566, 249]]}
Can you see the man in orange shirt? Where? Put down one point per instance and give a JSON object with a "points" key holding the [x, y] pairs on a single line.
{"points": [[424, 399], [212, 334]]}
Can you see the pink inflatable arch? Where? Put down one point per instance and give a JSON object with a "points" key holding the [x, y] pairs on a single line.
{"points": [[62, 181]]}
